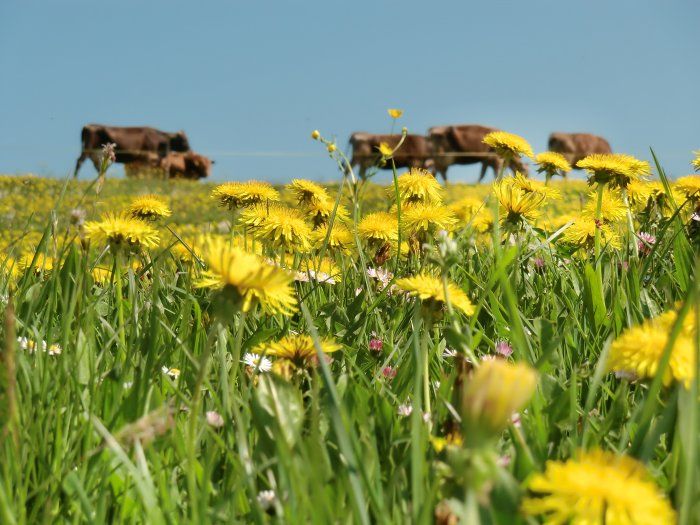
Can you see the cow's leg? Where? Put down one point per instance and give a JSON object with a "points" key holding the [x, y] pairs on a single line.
{"points": [[79, 162], [484, 167]]}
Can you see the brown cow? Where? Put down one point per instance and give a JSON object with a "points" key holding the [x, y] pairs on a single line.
{"points": [[133, 144], [413, 153], [463, 144], [575, 146], [188, 165]]}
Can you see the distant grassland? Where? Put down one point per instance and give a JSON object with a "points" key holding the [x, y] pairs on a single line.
{"points": [[25, 200]]}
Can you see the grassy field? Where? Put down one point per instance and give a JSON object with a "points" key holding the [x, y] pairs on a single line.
{"points": [[476, 354]]}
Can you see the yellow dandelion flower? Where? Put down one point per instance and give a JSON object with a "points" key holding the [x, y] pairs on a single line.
{"points": [[319, 211], [516, 204], [597, 487], [508, 145], [278, 225], [331, 147], [664, 201], [395, 113], [299, 349], [639, 349], [307, 191], [242, 194], [249, 277], [385, 150], [379, 227], [421, 219], [612, 208], [101, 276], [315, 134], [582, 234], [149, 207], [431, 291], [639, 192], [533, 186], [42, 263], [696, 161], [340, 238], [551, 163], [689, 187], [614, 168], [120, 230], [495, 391], [417, 186]]}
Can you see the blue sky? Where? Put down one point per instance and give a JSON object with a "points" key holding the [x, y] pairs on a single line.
{"points": [[245, 77]]}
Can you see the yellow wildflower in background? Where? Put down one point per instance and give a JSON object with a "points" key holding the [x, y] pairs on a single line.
{"points": [[379, 227], [533, 186], [421, 219], [508, 144], [615, 169], [696, 161], [149, 207], [582, 234], [43, 262], [612, 208], [278, 225], [516, 204], [385, 150], [395, 113], [494, 392], [320, 270], [551, 163], [120, 230], [639, 192], [663, 200], [597, 487], [299, 349], [417, 186], [340, 238], [101, 276], [250, 277], [639, 349], [431, 291], [689, 187], [242, 194]]}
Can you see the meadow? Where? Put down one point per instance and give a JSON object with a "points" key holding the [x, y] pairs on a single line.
{"points": [[515, 352]]}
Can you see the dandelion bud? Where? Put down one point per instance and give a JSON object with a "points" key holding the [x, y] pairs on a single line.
{"points": [[494, 392], [315, 134], [331, 147]]}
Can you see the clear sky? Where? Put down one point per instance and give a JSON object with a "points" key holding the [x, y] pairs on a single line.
{"points": [[258, 76]]}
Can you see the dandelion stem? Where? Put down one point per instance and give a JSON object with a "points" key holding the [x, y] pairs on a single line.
{"points": [[598, 222], [120, 302]]}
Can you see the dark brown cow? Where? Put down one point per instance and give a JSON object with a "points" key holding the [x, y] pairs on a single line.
{"points": [[133, 144], [575, 146], [413, 153], [463, 144], [188, 165]]}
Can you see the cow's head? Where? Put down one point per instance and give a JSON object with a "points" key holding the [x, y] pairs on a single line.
{"points": [[198, 165], [179, 142], [561, 143]]}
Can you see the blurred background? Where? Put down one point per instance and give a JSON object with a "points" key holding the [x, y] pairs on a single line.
{"points": [[249, 81]]}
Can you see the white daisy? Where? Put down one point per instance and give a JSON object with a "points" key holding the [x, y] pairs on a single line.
{"points": [[257, 362]]}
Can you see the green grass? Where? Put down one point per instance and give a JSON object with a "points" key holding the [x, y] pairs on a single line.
{"points": [[100, 434]]}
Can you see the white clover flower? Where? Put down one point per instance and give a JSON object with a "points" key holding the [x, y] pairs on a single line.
{"points": [[405, 410], [266, 499], [214, 419]]}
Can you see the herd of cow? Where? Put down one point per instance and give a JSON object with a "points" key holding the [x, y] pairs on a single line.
{"points": [[145, 147]]}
